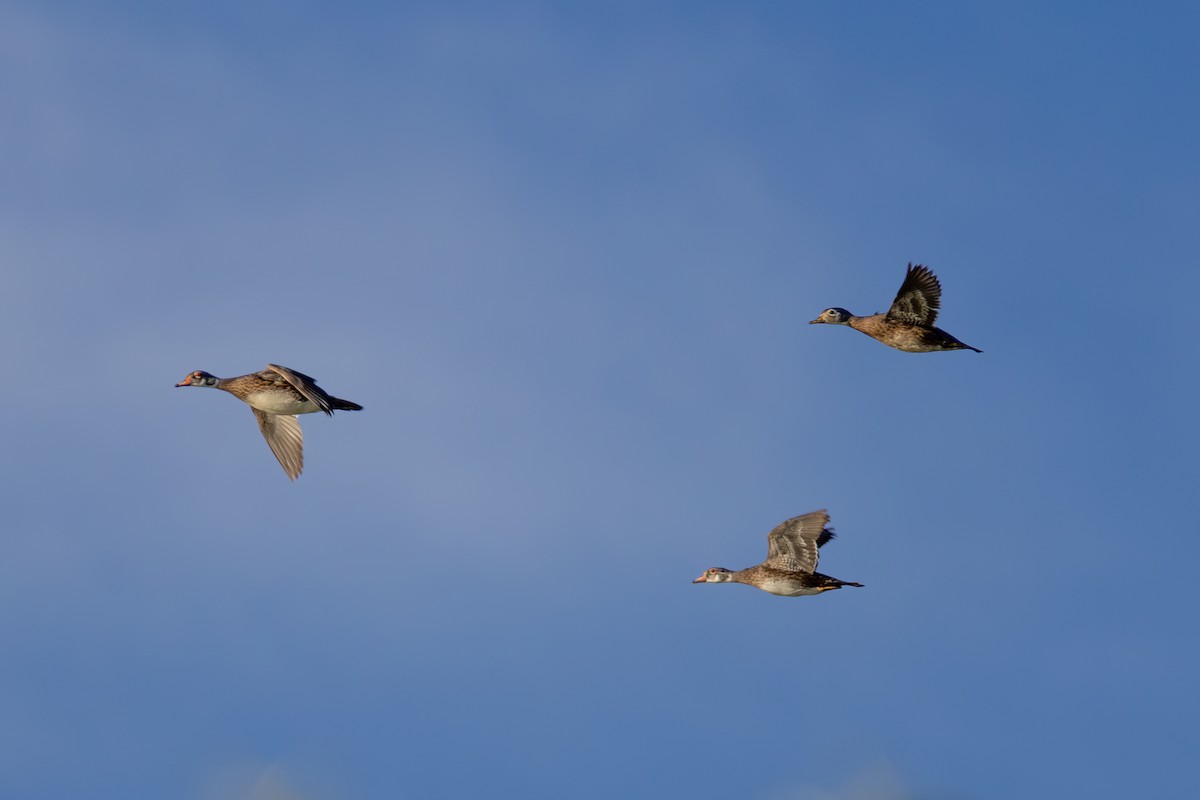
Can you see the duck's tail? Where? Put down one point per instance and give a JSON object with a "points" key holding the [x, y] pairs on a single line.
{"points": [[834, 583], [338, 404], [960, 344]]}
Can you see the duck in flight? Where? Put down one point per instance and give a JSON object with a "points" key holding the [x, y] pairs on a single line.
{"points": [[908, 324], [277, 395], [790, 568]]}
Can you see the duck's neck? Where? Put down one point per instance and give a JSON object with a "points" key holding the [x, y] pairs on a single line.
{"points": [[745, 576]]}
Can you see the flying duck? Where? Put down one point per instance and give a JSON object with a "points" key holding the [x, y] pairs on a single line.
{"points": [[277, 395], [908, 324], [790, 568]]}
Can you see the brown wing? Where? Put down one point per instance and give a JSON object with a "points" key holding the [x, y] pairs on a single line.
{"points": [[304, 385], [919, 298], [793, 545], [282, 433]]}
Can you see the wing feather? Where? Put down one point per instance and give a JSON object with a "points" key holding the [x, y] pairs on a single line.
{"points": [[304, 385], [283, 434], [793, 545], [919, 298]]}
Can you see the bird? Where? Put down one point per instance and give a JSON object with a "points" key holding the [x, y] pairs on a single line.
{"points": [[908, 324], [790, 568], [277, 395]]}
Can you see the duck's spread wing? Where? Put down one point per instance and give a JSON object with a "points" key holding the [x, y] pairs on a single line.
{"points": [[304, 385], [919, 298], [282, 433], [793, 545]]}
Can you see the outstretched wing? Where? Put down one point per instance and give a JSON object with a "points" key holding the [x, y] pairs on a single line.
{"points": [[919, 298], [282, 433], [793, 545], [304, 385]]}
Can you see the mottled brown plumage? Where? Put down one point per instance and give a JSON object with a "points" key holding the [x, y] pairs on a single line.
{"points": [[277, 395], [908, 324], [792, 554]]}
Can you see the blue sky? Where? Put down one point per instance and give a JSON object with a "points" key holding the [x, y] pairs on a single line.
{"points": [[564, 255]]}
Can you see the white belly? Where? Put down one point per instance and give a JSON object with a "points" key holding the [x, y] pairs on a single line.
{"points": [[788, 588], [281, 403]]}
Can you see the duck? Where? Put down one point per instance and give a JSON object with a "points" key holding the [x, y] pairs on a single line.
{"points": [[277, 395], [790, 568], [908, 324]]}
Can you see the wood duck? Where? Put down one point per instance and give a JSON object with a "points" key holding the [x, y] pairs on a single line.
{"points": [[908, 324], [277, 395], [790, 568]]}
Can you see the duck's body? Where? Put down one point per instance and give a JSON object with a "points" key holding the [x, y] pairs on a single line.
{"points": [[277, 395], [905, 337], [786, 583], [792, 554], [908, 324]]}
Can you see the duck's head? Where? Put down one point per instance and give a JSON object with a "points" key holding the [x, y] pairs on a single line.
{"points": [[833, 316], [715, 575], [198, 378]]}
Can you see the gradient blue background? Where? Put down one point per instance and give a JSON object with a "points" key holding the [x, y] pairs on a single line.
{"points": [[565, 254]]}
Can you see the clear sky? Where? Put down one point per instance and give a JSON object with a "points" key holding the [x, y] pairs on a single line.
{"points": [[564, 254]]}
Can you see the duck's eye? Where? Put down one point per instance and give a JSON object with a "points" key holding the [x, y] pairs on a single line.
{"points": [[712, 571]]}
